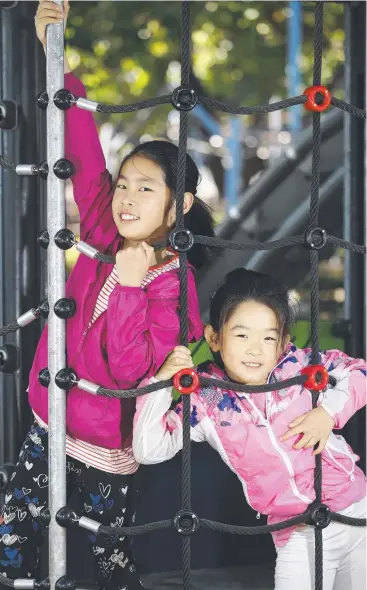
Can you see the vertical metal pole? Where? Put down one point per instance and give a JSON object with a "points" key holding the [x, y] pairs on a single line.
{"points": [[11, 235], [56, 289], [354, 180], [365, 187], [293, 66]]}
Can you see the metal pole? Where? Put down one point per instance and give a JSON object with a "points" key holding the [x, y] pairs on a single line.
{"points": [[10, 239], [293, 67], [365, 192], [354, 182], [56, 290]]}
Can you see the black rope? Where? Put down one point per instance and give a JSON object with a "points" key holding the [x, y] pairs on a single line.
{"points": [[346, 245], [314, 259], [4, 581], [206, 382], [222, 527], [134, 531], [129, 393], [219, 243], [4, 163], [242, 387], [105, 258], [212, 103], [348, 108], [180, 223], [13, 327], [359, 522], [232, 529], [138, 106]]}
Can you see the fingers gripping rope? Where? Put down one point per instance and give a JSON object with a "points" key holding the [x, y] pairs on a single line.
{"points": [[314, 238]]}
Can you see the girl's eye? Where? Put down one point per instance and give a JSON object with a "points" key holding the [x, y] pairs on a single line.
{"points": [[271, 338], [121, 186], [145, 188], [241, 336]]}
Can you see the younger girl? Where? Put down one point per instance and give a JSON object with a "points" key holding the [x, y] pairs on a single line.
{"points": [[249, 337], [125, 325]]}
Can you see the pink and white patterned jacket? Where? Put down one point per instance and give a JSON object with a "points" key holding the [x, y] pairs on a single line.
{"points": [[277, 479]]}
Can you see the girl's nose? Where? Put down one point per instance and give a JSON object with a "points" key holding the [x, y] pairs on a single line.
{"points": [[254, 349], [128, 201]]}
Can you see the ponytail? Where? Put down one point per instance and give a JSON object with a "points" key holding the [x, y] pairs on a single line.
{"points": [[199, 221]]}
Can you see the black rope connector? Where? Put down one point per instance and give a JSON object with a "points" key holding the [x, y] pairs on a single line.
{"points": [[43, 309], [44, 377], [65, 239], [9, 358], [65, 583], [65, 308], [63, 169], [66, 379], [63, 99], [66, 517], [42, 170], [315, 238], [184, 98], [318, 515], [186, 522], [44, 517], [8, 115], [181, 240], [6, 472], [42, 100], [42, 584], [43, 239]]}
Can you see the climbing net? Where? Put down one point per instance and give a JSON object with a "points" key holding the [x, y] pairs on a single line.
{"points": [[313, 377]]}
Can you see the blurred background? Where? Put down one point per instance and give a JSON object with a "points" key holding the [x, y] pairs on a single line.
{"points": [[255, 174]]}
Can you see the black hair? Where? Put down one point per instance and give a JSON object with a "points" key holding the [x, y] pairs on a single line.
{"points": [[199, 219], [248, 285]]}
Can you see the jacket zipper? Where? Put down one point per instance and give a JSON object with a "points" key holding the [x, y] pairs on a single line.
{"points": [[267, 397], [349, 473], [286, 460]]}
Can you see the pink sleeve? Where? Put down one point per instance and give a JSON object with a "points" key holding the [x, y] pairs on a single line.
{"points": [[92, 184], [349, 394], [143, 327]]}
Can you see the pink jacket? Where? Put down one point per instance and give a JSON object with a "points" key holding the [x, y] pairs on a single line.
{"points": [[141, 325], [245, 429]]}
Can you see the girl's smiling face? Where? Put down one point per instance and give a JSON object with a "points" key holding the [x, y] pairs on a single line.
{"points": [[249, 342], [142, 207]]}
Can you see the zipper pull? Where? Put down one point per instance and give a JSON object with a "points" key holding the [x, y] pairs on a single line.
{"points": [[351, 477], [258, 516]]}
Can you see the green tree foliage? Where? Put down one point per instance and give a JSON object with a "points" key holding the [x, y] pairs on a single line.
{"points": [[124, 51]]}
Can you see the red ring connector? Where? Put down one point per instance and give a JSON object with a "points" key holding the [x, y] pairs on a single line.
{"points": [[311, 104], [189, 373], [318, 377]]}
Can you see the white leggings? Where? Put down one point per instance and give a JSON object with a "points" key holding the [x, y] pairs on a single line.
{"points": [[344, 556]]}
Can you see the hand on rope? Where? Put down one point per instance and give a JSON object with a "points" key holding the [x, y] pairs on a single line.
{"points": [[180, 358], [312, 428]]}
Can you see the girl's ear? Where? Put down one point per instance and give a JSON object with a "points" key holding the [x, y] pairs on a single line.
{"points": [[212, 338], [286, 342], [188, 203]]}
